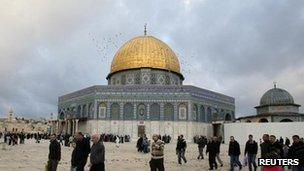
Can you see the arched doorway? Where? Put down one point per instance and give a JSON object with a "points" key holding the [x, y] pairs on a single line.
{"points": [[286, 120], [228, 117], [115, 111], [263, 120], [168, 112], [155, 112], [128, 111], [209, 119]]}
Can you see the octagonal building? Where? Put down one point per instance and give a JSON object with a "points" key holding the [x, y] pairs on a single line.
{"points": [[145, 95], [276, 105]]}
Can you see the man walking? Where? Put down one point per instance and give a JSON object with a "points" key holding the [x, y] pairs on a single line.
{"points": [[296, 151], [265, 145], [212, 150], [234, 153], [201, 144], [251, 149], [157, 154], [54, 153], [181, 149], [97, 156], [218, 147], [81, 152]]}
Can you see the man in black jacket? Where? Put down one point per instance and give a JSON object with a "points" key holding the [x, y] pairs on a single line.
{"points": [[181, 149], [234, 153], [80, 152], [251, 149], [97, 156], [212, 150], [275, 150], [265, 145], [296, 151], [54, 153], [201, 144]]}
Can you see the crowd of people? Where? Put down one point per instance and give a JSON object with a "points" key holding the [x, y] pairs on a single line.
{"points": [[81, 151], [14, 137], [113, 138], [143, 144], [269, 145]]}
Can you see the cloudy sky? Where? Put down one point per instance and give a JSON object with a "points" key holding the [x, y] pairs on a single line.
{"points": [[239, 48]]}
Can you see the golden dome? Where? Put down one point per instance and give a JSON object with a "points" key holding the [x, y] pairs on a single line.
{"points": [[145, 52]]}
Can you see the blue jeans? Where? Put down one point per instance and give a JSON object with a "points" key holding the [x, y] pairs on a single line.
{"points": [[181, 155], [251, 161], [234, 160]]}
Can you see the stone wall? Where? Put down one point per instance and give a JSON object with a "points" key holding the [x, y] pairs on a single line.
{"points": [[240, 131], [26, 127], [188, 129]]}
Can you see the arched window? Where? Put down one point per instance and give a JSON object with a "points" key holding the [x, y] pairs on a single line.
{"points": [[286, 120], [102, 110], [202, 114], [78, 114], [209, 111], [182, 112], [115, 111], [84, 110], [154, 111], [128, 111], [215, 115], [72, 112], [228, 117], [168, 112], [61, 116], [263, 120], [91, 110], [123, 79], [141, 112], [222, 114], [195, 113]]}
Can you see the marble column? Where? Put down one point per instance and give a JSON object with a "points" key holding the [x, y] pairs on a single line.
{"points": [[134, 111], [121, 106], [95, 109], [69, 127], [161, 117], [148, 111], [206, 114], [66, 126], [76, 125], [73, 127], [58, 129]]}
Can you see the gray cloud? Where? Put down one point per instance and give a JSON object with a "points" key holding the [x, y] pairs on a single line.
{"points": [[235, 47]]}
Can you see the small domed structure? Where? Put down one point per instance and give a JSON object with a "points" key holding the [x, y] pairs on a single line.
{"points": [[277, 100], [276, 96], [276, 105]]}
